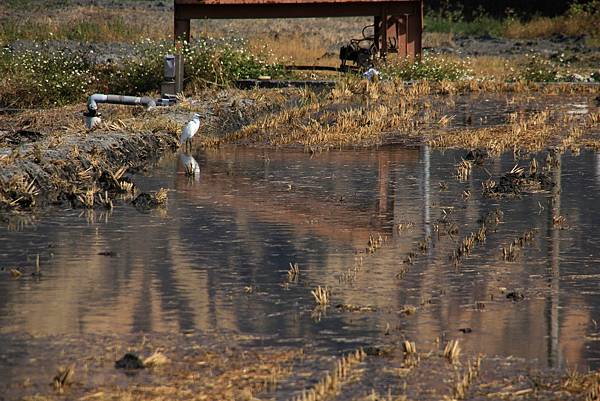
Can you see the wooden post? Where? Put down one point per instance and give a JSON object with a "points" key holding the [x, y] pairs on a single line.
{"points": [[182, 29]]}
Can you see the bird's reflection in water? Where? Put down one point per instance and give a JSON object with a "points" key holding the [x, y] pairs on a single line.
{"points": [[190, 166]]}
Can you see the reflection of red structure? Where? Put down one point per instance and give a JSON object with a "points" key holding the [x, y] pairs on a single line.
{"points": [[398, 23], [304, 208]]}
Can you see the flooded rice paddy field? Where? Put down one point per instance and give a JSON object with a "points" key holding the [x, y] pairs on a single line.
{"points": [[210, 275], [416, 250]]}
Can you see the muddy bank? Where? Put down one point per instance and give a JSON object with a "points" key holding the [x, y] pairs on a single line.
{"points": [[230, 367], [77, 167]]}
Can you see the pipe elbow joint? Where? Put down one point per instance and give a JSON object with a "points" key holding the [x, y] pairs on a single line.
{"points": [[92, 104], [149, 102]]}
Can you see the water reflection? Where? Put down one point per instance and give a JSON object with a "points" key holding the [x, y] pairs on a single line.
{"points": [[189, 268], [189, 166], [554, 354]]}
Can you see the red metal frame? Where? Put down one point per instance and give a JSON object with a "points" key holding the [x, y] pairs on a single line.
{"points": [[397, 22]]}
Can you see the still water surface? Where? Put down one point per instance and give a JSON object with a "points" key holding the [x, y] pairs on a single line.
{"points": [[216, 258]]}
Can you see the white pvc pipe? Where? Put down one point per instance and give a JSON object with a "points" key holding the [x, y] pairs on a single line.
{"points": [[96, 98]]}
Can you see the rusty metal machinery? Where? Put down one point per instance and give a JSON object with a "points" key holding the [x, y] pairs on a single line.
{"points": [[361, 52]]}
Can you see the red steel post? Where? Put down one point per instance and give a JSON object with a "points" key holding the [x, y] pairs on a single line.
{"points": [[182, 29], [392, 34]]}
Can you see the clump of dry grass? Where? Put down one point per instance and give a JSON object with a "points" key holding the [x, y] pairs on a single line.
{"points": [[63, 378], [322, 296], [463, 381], [331, 383], [463, 170], [452, 351], [293, 272], [487, 224], [350, 274], [409, 348], [157, 359], [19, 192], [374, 243], [511, 251], [411, 357], [586, 384]]}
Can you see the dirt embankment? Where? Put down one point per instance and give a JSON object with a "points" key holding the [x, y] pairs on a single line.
{"points": [[77, 170]]}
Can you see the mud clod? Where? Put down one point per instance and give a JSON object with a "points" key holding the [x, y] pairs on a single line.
{"points": [[145, 201], [379, 350], [20, 136], [515, 296], [355, 308], [517, 181], [130, 361], [477, 156]]}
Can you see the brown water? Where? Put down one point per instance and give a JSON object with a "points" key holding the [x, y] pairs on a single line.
{"points": [[216, 259]]}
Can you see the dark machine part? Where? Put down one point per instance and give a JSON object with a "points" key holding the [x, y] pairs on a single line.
{"points": [[363, 51], [361, 57], [359, 51]]}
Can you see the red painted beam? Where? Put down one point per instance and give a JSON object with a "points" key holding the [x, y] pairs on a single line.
{"points": [[277, 2], [296, 10]]}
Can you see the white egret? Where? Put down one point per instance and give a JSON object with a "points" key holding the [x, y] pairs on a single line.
{"points": [[189, 130]]}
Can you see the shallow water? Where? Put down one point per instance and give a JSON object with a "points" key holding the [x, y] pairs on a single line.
{"points": [[216, 259]]}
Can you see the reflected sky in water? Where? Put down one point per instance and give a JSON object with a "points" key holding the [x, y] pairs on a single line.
{"points": [[216, 258]]}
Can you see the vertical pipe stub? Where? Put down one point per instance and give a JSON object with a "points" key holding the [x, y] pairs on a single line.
{"points": [[91, 119], [170, 68]]}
